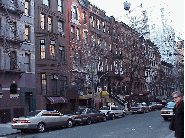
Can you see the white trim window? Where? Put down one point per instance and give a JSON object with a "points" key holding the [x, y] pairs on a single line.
{"points": [[60, 27], [74, 13], [60, 6], [45, 2]]}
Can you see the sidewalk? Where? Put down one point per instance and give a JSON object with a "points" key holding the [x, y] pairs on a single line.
{"points": [[6, 129]]}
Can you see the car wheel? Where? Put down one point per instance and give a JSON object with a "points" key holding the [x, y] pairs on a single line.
{"points": [[104, 118], [88, 121], [113, 117], [123, 115], [41, 127], [69, 123], [165, 118]]}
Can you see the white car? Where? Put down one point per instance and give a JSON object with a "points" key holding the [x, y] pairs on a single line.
{"points": [[167, 111], [42, 119], [112, 111]]}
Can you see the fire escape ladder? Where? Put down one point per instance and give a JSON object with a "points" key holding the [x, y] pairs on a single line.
{"points": [[10, 22], [14, 30]]}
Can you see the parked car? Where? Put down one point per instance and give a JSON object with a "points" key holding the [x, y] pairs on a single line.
{"points": [[159, 106], [153, 106], [167, 111], [140, 108], [88, 115], [112, 111], [42, 119]]}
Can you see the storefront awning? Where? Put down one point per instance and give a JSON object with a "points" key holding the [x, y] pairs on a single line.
{"points": [[56, 100]]}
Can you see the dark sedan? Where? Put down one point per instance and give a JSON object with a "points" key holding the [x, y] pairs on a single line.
{"points": [[88, 115]]}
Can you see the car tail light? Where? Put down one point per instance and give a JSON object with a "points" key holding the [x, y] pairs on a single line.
{"points": [[25, 121], [14, 121], [162, 112], [77, 117]]}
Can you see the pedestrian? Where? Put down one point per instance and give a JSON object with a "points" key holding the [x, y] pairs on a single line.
{"points": [[177, 123]]}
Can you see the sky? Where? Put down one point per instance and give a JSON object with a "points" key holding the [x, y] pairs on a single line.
{"points": [[173, 10]]}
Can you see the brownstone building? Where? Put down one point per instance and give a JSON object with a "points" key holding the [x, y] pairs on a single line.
{"points": [[51, 57]]}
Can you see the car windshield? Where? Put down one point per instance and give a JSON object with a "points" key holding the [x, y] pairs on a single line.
{"points": [[137, 105], [33, 113], [105, 108], [80, 111], [170, 105]]}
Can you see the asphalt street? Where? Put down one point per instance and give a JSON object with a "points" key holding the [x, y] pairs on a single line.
{"points": [[148, 125]]}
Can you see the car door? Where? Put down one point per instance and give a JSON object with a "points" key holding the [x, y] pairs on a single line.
{"points": [[47, 119], [97, 115], [119, 111], [58, 119], [114, 110]]}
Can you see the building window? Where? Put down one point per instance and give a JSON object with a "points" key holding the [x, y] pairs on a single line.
{"points": [[80, 58], [74, 13], [60, 27], [27, 62], [13, 60], [98, 24], [78, 34], [85, 37], [52, 49], [42, 49], [72, 32], [13, 29], [60, 5], [26, 8], [43, 84], [13, 89], [63, 83], [62, 53], [54, 86], [92, 21], [26, 33], [84, 17], [103, 25], [42, 21], [49, 24], [45, 2], [74, 58]]}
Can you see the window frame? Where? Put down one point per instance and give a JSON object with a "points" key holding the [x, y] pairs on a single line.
{"points": [[60, 6], [27, 8], [42, 52], [46, 2], [43, 79], [60, 29], [27, 63], [62, 52], [72, 32], [42, 21], [49, 24], [52, 50], [27, 36]]}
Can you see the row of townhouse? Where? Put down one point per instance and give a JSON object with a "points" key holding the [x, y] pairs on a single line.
{"points": [[59, 54]]}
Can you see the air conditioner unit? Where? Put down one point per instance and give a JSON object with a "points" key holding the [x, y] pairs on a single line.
{"points": [[55, 77]]}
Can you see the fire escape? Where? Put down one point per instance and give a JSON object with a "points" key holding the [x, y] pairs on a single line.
{"points": [[15, 41]]}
